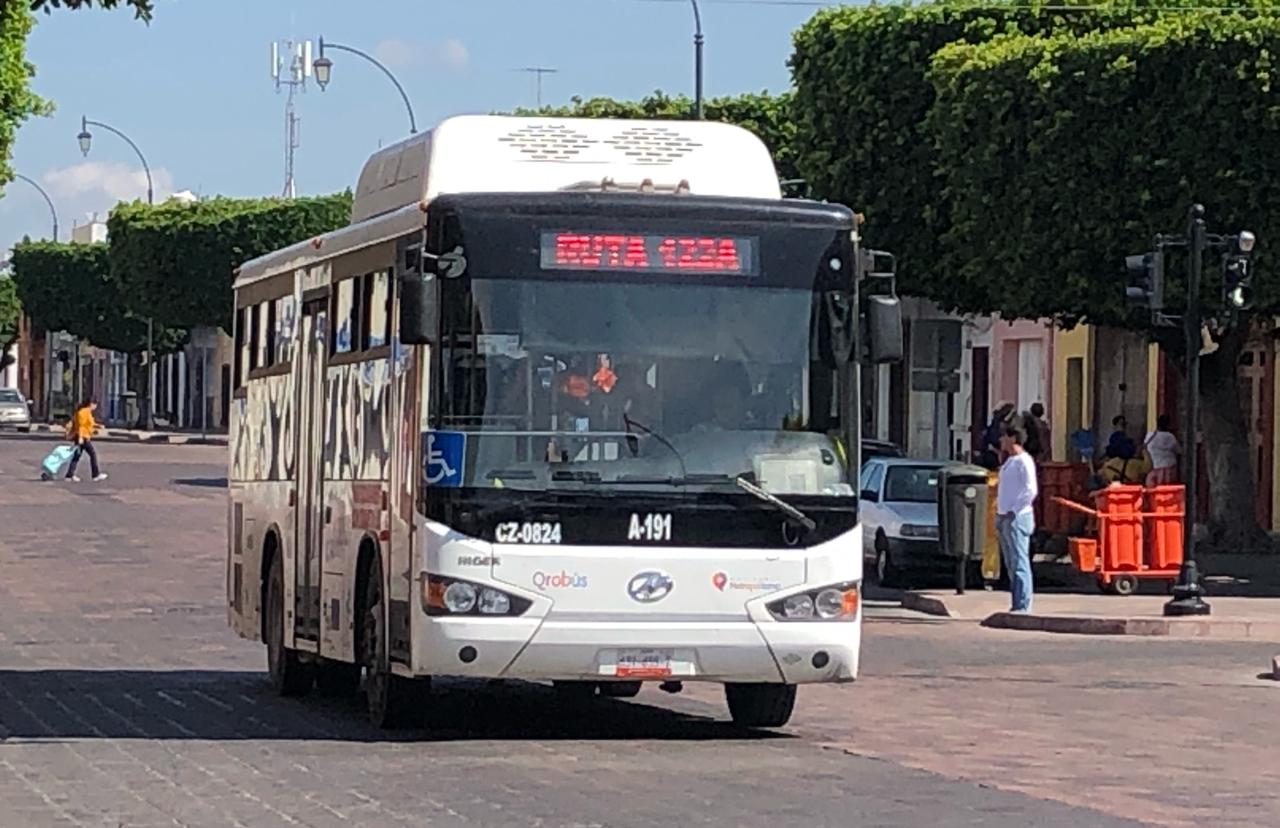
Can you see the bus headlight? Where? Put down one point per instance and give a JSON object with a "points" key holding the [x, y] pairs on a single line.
{"points": [[453, 596], [838, 602], [459, 597]]}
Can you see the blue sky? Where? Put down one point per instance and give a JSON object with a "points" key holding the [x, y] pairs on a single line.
{"points": [[193, 89]]}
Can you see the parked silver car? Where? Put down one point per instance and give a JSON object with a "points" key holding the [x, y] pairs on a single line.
{"points": [[15, 411], [899, 511]]}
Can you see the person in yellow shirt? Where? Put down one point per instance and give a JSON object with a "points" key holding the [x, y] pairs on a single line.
{"points": [[81, 431]]}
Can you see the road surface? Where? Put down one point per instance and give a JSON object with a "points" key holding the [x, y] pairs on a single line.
{"points": [[125, 701]]}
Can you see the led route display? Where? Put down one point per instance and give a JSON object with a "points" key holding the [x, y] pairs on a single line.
{"points": [[649, 252]]}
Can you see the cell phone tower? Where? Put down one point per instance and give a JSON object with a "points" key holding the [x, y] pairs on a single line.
{"points": [[294, 77]]}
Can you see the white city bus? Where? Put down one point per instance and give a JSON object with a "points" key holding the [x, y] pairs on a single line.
{"points": [[568, 400]]}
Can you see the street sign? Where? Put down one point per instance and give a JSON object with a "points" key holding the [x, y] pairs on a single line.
{"points": [[936, 344], [937, 382]]}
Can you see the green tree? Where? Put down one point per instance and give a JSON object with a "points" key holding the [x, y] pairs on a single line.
{"points": [[10, 316], [863, 93], [768, 116], [69, 287], [178, 260], [1058, 155]]}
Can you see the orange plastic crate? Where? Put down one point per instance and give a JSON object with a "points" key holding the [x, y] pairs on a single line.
{"points": [[1120, 527], [1165, 526], [1084, 553]]}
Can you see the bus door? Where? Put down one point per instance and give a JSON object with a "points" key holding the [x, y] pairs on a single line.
{"points": [[314, 346]]}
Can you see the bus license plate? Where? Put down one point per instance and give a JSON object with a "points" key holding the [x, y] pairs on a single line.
{"points": [[643, 664]]}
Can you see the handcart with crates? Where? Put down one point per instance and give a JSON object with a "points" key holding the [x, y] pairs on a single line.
{"points": [[1138, 534]]}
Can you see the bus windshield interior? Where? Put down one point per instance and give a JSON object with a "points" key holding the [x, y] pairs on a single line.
{"points": [[591, 385]]}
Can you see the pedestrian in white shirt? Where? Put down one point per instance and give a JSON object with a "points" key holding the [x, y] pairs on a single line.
{"points": [[1163, 450], [1016, 491]]}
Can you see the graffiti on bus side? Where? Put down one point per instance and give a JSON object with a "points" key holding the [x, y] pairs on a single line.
{"points": [[358, 421], [262, 431]]}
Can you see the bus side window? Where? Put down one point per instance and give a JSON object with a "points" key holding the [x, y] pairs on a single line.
{"points": [[242, 346]]}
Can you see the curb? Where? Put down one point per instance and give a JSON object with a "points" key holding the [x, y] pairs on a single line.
{"points": [[1226, 628], [926, 604], [160, 438]]}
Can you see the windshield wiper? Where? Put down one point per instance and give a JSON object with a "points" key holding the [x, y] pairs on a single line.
{"points": [[628, 422], [781, 505]]}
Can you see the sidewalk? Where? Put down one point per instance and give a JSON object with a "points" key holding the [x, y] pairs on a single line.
{"points": [[1233, 618], [173, 438]]}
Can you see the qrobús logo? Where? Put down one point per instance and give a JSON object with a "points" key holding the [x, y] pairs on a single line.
{"points": [[544, 581]]}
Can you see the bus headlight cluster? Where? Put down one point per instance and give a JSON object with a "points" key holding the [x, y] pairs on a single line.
{"points": [[452, 596], [838, 602]]}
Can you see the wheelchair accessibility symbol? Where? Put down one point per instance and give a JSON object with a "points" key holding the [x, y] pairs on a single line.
{"points": [[444, 453]]}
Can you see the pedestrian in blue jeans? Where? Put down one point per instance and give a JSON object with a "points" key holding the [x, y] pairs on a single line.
{"points": [[1015, 521]]}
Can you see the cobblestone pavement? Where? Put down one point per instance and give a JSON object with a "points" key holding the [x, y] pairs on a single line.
{"points": [[124, 701]]}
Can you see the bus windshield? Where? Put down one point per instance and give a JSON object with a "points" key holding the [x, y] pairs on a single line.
{"points": [[578, 384]]}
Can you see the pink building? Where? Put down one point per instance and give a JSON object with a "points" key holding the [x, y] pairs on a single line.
{"points": [[1021, 367]]}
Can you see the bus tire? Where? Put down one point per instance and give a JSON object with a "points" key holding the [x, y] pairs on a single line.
{"points": [[393, 701], [290, 676], [338, 679], [760, 705]]}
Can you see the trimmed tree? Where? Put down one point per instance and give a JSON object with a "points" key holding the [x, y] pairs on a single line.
{"points": [[178, 259], [768, 116], [863, 93], [10, 316], [69, 287], [1059, 155]]}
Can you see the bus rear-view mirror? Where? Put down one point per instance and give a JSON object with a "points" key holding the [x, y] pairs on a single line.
{"points": [[884, 329]]}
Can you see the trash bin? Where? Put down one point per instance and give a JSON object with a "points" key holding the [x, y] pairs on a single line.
{"points": [[962, 515], [1120, 526], [130, 400], [1164, 540]]}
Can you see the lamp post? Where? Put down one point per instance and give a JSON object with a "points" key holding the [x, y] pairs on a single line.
{"points": [[86, 141], [48, 335], [698, 40], [324, 69]]}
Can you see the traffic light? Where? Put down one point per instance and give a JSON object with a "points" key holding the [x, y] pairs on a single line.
{"points": [[1237, 282], [1146, 279]]}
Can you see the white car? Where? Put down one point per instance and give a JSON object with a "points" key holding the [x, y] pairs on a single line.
{"points": [[899, 511], [15, 411]]}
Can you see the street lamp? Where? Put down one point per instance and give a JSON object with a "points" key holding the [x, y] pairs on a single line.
{"points": [[52, 212], [698, 40], [324, 71], [48, 338], [86, 140]]}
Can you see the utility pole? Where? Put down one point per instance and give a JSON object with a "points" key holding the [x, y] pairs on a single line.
{"points": [[294, 77]]}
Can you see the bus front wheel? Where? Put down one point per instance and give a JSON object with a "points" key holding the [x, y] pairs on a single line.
{"points": [[760, 705], [393, 701]]}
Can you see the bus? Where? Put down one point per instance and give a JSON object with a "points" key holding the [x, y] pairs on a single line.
{"points": [[571, 401]]}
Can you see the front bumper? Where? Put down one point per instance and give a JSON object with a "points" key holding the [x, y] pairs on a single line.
{"points": [[920, 552], [728, 651]]}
